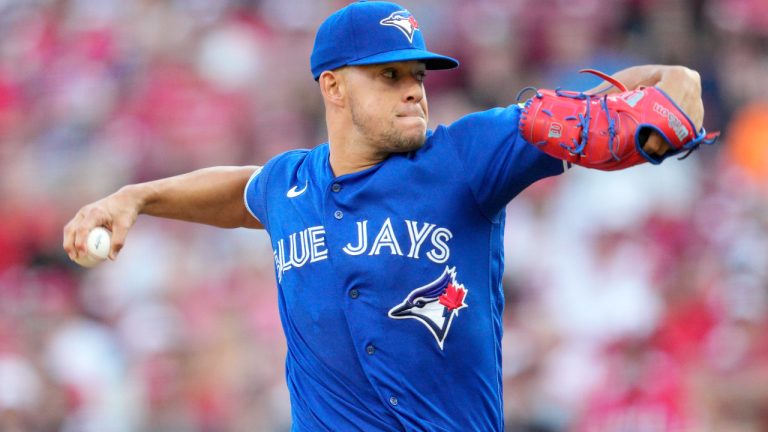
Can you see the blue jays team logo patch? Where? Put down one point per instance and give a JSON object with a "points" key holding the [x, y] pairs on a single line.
{"points": [[435, 304], [403, 21]]}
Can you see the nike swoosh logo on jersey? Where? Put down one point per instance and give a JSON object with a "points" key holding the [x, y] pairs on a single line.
{"points": [[293, 193]]}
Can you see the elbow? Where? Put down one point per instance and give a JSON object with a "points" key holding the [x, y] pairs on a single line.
{"points": [[249, 221]]}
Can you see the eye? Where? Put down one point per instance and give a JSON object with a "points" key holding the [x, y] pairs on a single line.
{"points": [[389, 73], [421, 76], [420, 303]]}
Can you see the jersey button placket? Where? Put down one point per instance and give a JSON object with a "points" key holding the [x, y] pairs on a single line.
{"points": [[354, 293], [336, 187], [370, 349], [393, 401], [338, 214]]}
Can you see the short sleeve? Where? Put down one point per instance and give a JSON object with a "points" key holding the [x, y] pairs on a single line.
{"points": [[255, 195], [497, 161]]}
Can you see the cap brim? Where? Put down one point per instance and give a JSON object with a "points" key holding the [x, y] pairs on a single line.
{"points": [[431, 60]]}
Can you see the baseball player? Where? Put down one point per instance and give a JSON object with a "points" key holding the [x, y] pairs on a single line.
{"points": [[387, 239]]}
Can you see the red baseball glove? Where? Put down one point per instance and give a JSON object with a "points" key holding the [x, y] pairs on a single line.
{"points": [[607, 132]]}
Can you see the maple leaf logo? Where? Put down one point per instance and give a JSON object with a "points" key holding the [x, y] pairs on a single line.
{"points": [[414, 23], [453, 298]]}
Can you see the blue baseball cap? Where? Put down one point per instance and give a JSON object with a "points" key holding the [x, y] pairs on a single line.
{"points": [[371, 32]]}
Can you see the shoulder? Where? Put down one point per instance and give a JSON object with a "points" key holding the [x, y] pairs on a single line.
{"points": [[297, 167], [292, 160], [484, 121], [290, 157], [489, 126], [288, 164]]}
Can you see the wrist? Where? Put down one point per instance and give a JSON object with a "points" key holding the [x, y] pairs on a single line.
{"points": [[138, 195]]}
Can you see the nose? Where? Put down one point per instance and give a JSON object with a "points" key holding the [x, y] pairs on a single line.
{"points": [[414, 91]]}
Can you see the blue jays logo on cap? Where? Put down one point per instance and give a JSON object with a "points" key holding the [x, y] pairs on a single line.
{"points": [[435, 304], [361, 34], [403, 21]]}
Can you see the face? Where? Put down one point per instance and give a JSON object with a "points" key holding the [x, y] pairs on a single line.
{"points": [[388, 105]]}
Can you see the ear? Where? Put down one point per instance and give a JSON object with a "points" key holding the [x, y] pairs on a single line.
{"points": [[333, 87]]}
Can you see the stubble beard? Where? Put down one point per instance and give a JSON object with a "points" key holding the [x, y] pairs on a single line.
{"points": [[391, 140]]}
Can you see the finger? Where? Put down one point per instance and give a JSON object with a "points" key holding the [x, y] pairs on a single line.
{"points": [[655, 145], [119, 233], [69, 236], [80, 232], [80, 239], [93, 217]]}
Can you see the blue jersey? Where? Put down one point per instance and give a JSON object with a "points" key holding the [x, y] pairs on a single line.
{"points": [[389, 278]]}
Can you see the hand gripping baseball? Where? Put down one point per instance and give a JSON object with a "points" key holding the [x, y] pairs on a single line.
{"points": [[607, 132], [117, 213]]}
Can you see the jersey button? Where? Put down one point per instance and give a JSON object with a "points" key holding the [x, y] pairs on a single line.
{"points": [[338, 214], [393, 401], [354, 293], [370, 349], [336, 187]]}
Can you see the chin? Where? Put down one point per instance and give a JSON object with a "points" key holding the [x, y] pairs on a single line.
{"points": [[408, 143], [408, 124], [415, 132]]}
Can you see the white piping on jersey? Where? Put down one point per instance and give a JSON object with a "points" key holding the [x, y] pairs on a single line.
{"points": [[245, 191]]}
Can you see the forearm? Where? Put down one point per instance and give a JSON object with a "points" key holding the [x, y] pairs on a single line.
{"points": [[212, 196]]}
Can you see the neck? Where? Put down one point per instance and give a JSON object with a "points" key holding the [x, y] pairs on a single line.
{"points": [[348, 157], [350, 151]]}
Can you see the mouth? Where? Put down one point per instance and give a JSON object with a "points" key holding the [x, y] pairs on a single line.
{"points": [[411, 113], [411, 118]]}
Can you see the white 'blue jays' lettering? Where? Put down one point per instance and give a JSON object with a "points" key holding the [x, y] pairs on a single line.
{"points": [[386, 238], [312, 245], [362, 236], [308, 245], [417, 236]]}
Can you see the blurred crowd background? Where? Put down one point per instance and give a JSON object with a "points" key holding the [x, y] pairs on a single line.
{"points": [[636, 301]]}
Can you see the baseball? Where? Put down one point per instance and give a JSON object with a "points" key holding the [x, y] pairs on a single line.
{"points": [[98, 244]]}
